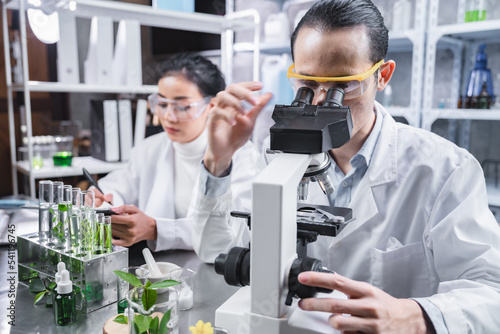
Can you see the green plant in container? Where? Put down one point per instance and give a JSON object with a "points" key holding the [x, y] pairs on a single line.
{"points": [[147, 296]]}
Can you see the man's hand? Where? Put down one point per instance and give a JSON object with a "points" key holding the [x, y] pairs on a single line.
{"points": [[230, 125], [100, 198], [371, 309], [132, 225]]}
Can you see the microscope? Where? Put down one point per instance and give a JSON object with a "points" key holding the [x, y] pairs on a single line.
{"points": [[280, 228]]}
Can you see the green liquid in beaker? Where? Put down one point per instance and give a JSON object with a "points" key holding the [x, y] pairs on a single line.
{"points": [[122, 305], [63, 158]]}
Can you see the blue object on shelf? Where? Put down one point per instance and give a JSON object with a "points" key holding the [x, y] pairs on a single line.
{"points": [[480, 75], [177, 5]]}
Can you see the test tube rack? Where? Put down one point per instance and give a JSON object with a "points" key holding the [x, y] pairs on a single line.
{"points": [[94, 282]]}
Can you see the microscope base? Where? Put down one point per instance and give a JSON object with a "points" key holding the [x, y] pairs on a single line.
{"points": [[235, 316]]}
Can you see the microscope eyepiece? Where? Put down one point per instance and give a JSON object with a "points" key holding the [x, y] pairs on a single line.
{"points": [[334, 97], [303, 97]]}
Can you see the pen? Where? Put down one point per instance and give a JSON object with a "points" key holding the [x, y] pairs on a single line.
{"points": [[92, 181]]}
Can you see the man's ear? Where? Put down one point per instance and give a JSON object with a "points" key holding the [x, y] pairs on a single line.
{"points": [[385, 74]]}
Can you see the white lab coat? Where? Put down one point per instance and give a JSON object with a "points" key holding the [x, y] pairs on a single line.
{"points": [[422, 229], [147, 181]]}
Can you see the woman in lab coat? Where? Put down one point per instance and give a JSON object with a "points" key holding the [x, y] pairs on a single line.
{"points": [[152, 194]]}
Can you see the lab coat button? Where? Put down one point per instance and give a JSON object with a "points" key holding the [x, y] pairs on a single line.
{"points": [[345, 184]]}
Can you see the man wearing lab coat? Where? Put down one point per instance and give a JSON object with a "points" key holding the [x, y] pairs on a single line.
{"points": [[423, 254]]}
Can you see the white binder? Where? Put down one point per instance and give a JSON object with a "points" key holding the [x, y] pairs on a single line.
{"points": [[125, 128], [127, 60], [98, 65]]}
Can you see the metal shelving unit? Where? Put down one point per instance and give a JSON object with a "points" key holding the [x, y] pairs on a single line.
{"points": [[146, 16], [458, 38]]}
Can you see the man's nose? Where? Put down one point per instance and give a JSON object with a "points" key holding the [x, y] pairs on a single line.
{"points": [[320, 96]]}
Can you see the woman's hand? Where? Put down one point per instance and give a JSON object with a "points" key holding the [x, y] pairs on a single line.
{"points": [[371, 310], [230, 125], [100, 198], [132, 225]]}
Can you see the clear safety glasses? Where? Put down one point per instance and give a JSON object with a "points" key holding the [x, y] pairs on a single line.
{"points": [[181, 110], [353, 85]]}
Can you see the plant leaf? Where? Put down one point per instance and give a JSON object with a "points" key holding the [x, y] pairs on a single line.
{"points": [[37, 285], [149, 298], [121, 319], [128, 277], [164, 284], [164, 321], [52, 286], [148, 284], [142, 322], [153, 326], [39, 296]]}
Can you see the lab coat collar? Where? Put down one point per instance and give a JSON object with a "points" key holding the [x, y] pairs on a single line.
{"points": [[383, 168]]}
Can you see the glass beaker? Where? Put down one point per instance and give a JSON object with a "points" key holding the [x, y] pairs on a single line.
{"points": [[64, 151], [166, 304], [123, 287]]}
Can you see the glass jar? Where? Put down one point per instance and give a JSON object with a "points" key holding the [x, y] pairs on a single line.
{"points": [[164, 306]]}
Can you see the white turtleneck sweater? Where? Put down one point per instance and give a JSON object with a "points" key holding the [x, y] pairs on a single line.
{"points": [[187, 159]]}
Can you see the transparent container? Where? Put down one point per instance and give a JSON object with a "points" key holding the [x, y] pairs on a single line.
{"points": [[64, 151], [164, 306]]}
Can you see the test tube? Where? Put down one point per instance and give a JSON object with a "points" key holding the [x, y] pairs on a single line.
{"points": [[99, 234], [64, 207], [87, 222], [108, 236], [54, 212], [44, 204], [74, 226]]}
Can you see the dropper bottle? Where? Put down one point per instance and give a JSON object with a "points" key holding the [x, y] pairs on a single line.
{"points": [[64, 301], [60, 267]]}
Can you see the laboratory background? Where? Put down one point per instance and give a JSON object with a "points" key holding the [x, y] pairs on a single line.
{"points": [[62, 68], [434, 43]]}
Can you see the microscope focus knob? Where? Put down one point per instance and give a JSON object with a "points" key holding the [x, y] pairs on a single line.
{"points": [[234, 266], [296, 289]]}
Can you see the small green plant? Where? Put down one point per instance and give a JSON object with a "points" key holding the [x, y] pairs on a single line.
{"points": [[86, 233], [42, 288], [58, 228], [145, 324]]}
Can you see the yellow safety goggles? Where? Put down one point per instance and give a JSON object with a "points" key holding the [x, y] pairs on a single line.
{"points": [[353, 85]]}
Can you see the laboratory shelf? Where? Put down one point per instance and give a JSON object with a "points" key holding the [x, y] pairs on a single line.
{"points": [[144, 15], [401, 41], [410, 114], [480, 30], [430, 116], [149, 16], [58, 87], [94, 166], [265, 47]]}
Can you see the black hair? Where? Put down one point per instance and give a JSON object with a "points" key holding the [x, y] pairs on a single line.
{"points": [[328, 15], [195, 68]]}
